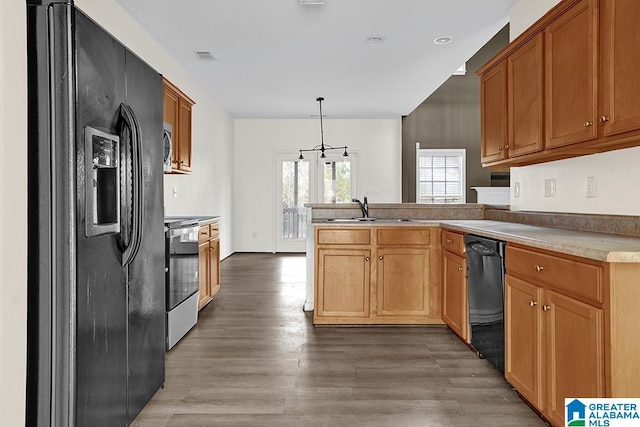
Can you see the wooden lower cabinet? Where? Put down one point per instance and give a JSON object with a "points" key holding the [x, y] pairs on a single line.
{"points": [[208, 263], [377, 275], [402, 288], [554, 342], [343, 283], [455, 312]]}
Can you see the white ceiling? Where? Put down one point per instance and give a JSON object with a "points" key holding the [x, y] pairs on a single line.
{"points": [[275, 57]]}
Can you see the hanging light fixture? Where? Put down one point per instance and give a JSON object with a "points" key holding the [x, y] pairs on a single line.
{"points": [[322, 147]]}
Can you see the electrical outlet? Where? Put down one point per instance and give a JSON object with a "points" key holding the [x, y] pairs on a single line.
{"points": [[550, 187], [591, 186], [516, 189], [175, 191]]}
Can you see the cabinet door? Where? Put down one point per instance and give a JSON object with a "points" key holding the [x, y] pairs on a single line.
{"points": [[402, 286], [523, 339], [214, 262], [620, 62], [184, 136], [342, 283], [494, 113], [525, 96], [571, 66], [454, 295], [574, 352], [204, 278], [170, 115]]}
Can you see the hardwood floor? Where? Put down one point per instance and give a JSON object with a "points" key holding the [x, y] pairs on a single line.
{"points": [[255, 359]]}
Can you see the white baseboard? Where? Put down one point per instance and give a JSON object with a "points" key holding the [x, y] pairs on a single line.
{"points": [[308, 306]]}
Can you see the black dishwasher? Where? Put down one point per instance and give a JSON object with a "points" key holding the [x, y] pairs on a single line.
{"points": [[485, 263]]}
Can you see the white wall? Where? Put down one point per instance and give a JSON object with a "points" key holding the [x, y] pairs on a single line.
{"points": [[208, 189], [523, 13], [616, 172], [13, 215], [378, 143], [617, 179]]}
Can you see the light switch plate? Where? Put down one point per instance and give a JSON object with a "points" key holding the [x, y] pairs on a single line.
{"points": [[516, 189], [591, 186], [550, 187]]}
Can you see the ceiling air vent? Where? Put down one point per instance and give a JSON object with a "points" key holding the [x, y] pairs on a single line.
{"points": [[205, 55], [306, 2]]}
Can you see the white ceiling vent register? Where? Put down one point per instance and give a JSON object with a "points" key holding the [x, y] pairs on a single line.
{"points": [[205, 55], [306, 2]]}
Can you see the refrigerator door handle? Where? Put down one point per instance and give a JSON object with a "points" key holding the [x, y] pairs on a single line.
{"points": [[130, 240]]}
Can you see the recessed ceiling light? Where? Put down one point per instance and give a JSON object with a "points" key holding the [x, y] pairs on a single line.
{"points": [[375, 39], [205, 55], [306, 2], [443, 40]]}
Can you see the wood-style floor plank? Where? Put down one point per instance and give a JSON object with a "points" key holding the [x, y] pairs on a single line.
{"points": [[255, 359]]}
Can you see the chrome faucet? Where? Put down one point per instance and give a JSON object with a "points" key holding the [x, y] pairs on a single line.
{"points": [[364, 207]]}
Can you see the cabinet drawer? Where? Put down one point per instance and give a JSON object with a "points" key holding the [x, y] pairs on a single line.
{"points": [[204, 233], [453, 242], [575, 277], [403, 236], [343, 236], [214, 230]]}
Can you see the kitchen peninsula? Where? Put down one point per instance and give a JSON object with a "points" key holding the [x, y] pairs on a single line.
{"points": [[565, 288]]}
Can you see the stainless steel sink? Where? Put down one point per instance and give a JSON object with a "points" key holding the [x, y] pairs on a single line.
{"points": [[354, 220]]}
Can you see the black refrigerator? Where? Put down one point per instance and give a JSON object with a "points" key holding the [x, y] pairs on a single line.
{"points": [[96, 293]]}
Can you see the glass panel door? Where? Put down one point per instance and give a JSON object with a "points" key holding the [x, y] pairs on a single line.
{"points": [[294, 182]]}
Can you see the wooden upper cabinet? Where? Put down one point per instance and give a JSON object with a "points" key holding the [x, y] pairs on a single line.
{"points": [[494, 113], [177, 112], [571, 66], [525, 98], [587, 64], [620, 58]]}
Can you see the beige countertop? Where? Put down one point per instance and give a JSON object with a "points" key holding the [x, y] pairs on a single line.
{"points": [[597, 246]]}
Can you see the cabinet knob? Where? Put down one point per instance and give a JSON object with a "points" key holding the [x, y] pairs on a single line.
{"points": [[501, 148], [210, 249], [588, 123], [506, 147], [539, 268], [604, 119], [367, 259], [460, 268], [546, 307], [380, 257], [449, 241], [533, 303]]}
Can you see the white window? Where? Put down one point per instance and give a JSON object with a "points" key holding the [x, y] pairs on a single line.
{"points": [[440, 175]]}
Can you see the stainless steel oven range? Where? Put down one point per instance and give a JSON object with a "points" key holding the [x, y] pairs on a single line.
{"points": [[181, 278]]}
